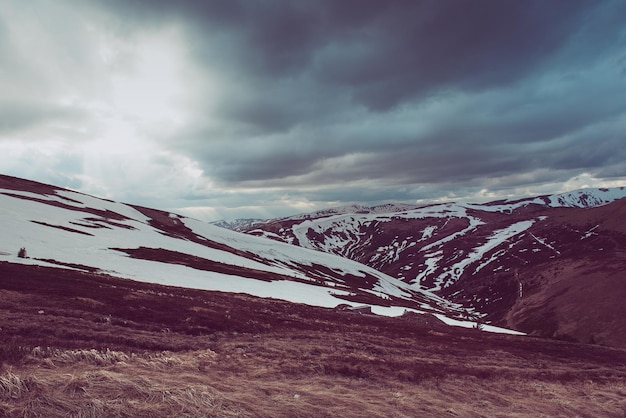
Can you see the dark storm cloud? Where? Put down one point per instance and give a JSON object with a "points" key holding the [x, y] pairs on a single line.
{"points": [[292, 67], [384, 52], [16, 116], [412, 44], [422, 46]]}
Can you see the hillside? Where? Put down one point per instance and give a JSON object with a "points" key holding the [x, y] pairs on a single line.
{"points": [[527, 264], [87, 344], [64, 228]]}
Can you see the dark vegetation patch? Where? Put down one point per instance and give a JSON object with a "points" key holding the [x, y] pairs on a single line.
{"points": [[95, 225], [52, 307], [199, 263], [99, 221], [64, 228], [106, 214], [351, 281], [15, 183], [71, 265], [174, 227], [59, 307]]}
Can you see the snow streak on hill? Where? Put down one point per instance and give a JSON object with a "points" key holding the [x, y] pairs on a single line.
{"points": [[431, 246]]}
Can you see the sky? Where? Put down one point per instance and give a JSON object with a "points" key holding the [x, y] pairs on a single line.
{"points": [[266, 108]]}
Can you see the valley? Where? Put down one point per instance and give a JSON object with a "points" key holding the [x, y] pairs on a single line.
{"points": [[548, 266]]}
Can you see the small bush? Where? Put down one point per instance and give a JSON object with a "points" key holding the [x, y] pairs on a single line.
{"points": [[13, 387], [12, 352]]}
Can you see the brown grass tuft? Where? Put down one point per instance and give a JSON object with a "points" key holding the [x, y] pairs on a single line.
{"points": [[14, 387]]}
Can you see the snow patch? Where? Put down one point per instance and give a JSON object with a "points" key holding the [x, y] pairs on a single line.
{"points": [[494, 240]]}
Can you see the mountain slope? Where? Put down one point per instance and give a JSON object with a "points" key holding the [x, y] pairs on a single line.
{"points": [[579, 293], [59, 227], [492, 258]]}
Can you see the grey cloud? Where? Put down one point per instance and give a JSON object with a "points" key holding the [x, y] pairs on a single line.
{"points": [[392, 54], [384, 52], [615, 171], [598, 148], [45, 58], [367, 194], [16, 116], [422, 46], [258, 157]]}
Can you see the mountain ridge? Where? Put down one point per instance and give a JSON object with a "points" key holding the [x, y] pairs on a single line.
{"points": [[585, 197], [489, 257]]}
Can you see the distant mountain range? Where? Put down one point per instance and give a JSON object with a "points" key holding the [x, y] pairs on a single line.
{"points": [[549, 265]]}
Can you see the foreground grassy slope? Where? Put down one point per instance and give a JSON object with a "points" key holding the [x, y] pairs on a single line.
{"points": [[78, 344]]}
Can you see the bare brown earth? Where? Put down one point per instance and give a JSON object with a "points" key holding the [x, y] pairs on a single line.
{"points": [[579, 295], [85, 345]]}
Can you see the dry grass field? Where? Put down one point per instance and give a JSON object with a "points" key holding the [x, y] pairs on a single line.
{"points": [[87, 345]]}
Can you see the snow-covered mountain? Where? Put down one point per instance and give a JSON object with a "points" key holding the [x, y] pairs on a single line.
{"points": [[582, 198], [359, 209], [489, 257], [67, 229], [410, 242], [239, 225]]}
